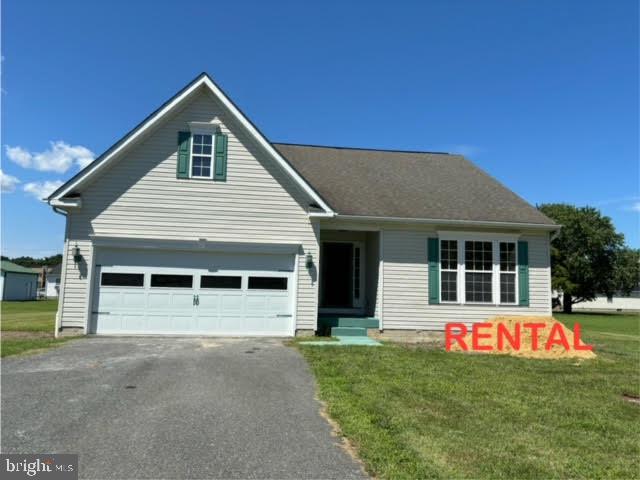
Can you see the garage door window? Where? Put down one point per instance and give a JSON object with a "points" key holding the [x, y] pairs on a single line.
{"points": [[220, 281], [171, 281], [120, 280], [267, 283]]}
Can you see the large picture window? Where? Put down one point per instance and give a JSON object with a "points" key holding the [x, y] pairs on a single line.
{"points": [[478, 271], [478, 264], [449, 270]]}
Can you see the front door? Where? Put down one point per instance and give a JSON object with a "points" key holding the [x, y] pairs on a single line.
{"points": [[337, 275]]}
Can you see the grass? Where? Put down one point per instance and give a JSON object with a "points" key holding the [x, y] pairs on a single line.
{"points": [[414, 412], [28, 327]]}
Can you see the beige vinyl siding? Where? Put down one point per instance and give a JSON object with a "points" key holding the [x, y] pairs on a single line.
{"points": [[140, 197], [405, 285]]}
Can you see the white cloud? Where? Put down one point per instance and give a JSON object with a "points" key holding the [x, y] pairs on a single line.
{"points": [[41, 190], [617, 200], [8, 182], [19, 155], [59, 158], [635, 207]]}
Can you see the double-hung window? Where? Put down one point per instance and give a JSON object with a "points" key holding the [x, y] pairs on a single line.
{"points": [[478, 267], [202, 156], [507, 272], [449, 270]]}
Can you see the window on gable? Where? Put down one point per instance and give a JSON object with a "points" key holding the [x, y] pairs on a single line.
{"points": [[202, 156]]}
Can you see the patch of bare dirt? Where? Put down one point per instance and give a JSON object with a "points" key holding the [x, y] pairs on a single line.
{"points": [[25, 335], [555, 352]]}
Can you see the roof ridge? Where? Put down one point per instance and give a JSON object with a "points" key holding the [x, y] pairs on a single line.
{"points": [[364, 149]]}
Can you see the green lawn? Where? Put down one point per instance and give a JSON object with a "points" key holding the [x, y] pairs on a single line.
{"points": [[414, 412], [28, 326]]}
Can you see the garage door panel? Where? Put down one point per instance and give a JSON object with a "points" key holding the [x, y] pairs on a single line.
{"points": [[231, 304], [160, 323], [181, 300], [277, 304], [134, 323], [158, 301], [108, 323], [256, 304], [110, 299], [208, 323], [134, 300], [183, 324], [199, 294], [231, 323]]}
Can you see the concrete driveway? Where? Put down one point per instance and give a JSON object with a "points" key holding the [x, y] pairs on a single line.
{"points": [[172, 408]]}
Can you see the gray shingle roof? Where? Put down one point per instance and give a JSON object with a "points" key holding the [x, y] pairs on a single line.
{"points": [[407, 185]]}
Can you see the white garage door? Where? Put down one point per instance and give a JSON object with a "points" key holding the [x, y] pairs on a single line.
{"points": [[138, 292]]}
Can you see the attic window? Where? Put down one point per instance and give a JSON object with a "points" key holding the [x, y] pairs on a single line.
{"points": [[201, 156]]}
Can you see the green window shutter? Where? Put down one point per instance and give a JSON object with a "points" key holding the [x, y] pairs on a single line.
{"points": [[433, 255], [184, 144], [220, 172], [523, 273]]}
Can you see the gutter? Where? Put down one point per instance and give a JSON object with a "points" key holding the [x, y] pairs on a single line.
{"points": [[442, 221], [63, 274]]}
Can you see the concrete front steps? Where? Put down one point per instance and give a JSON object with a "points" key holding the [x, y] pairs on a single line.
{"points": [[344, 326], [348, 331]]}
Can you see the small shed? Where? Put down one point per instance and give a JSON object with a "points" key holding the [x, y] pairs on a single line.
{"points": [[52, 286], [17, 283]]}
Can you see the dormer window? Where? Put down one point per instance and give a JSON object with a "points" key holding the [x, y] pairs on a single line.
{"points": [[202, 156]]}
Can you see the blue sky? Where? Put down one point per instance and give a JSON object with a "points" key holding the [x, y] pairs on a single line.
{"points": [[541, 94]]}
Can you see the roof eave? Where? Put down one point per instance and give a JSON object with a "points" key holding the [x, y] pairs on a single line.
{"points": [[444, 221]]}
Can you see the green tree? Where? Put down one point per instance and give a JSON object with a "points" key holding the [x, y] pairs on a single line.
{"points": [[30, 262], [588, 256]]}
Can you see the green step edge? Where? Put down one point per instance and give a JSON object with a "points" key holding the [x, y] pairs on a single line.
{"points": [[337, 321], [348, 332]]}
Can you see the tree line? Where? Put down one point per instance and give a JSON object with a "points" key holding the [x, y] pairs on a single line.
{"points": [[588, 256], [31, 262]]}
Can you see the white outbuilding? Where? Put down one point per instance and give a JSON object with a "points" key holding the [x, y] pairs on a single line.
{"points": [[17, 283]]}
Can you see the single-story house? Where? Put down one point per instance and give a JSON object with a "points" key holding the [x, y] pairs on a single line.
{"points": [[52, 282], [17, 282], [195, 223]]}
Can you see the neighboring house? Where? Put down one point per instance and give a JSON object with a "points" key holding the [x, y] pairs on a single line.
{"points": [[52, 283], [17, 282], [194, 223], [42, 275], [618, 302]]}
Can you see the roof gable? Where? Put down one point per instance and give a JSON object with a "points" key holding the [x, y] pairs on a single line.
{"points": [[116, 151]]}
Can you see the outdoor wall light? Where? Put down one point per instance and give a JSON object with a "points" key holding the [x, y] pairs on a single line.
{"points": [[76, 254], [309, 261]]}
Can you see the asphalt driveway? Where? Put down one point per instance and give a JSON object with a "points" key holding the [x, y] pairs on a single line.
{"points": [[172, 408]]}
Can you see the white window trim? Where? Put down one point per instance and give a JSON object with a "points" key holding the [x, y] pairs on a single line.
{"points": [[211, 156], [514, 273], [492, 272], [495, 239], [457, 271]]}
